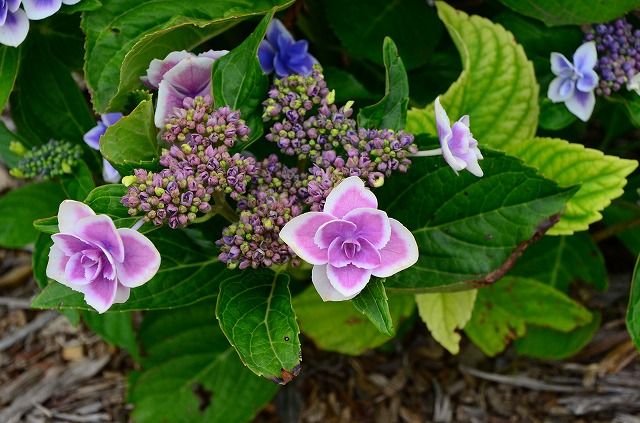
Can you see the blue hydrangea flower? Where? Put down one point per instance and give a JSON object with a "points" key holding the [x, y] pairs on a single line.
{"points": [[575, 82], [40, 9], [280, 52], [14, 24], [92, 138]]}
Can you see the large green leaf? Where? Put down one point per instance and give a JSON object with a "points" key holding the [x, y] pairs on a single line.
{"points": [[188, 274], [601, 178], [123, 36], [79, 183], [256, 316], [239, 82], [444, 312], [504, 310], [497, 87], [374, 303], [469, 230], [623, 216], [9, 65], [115, 328], [21, 206], [391, 111], [190, 373], [131, 141], [361, 26], [633, 311], [572, 12], [47, 102], [559, 261], [338, 326]]}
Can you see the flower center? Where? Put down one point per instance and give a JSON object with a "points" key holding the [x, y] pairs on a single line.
{"points": [[350, 248]]}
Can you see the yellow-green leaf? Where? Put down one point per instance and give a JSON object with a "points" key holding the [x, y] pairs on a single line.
{"points": [[601, 177], [497, 87], [444, 313]]}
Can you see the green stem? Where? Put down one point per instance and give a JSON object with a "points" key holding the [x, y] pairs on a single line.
{"points": [[223, 208]]}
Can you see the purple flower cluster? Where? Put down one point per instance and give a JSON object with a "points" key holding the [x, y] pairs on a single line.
{"points": [[196, 167], [618, 47], [198, 121], [274, 198]]}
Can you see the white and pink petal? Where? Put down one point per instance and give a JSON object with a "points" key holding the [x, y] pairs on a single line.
{"points": [[323, 286], [348, 280], [348, 195], [70, 212], [141, 259], [299, 233], [400, 252], [372, 225], [101, 231], [15, 28], [40, 9], [100, 294]]}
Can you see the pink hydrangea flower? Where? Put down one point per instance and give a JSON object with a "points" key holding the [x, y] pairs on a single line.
{"points": [[91, 256], [349, 241]]}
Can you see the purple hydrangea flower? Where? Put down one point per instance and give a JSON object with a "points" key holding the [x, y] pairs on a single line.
{"points": [[40, 9], [14, 24], [91, 256], [459, 148], [92, 138], [575, 82], [180, 75], [349, 241], [280, 52]]}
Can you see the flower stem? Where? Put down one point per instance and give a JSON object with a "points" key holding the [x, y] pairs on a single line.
{"points": [[138, 224], [427, 153], [223, 208]]}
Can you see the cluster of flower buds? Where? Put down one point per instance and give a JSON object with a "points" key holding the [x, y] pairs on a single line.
{"points": [[55, 158], [273, 199], [197, 120], [618, 46]]}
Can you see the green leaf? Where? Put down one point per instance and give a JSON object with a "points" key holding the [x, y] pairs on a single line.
{"points": [[633, 310], [346, 85], [188, 274], [84, 6], [623, 216], [79, 184], [601, 177], [124, 36], [445, 312], [8, 157], [132, 140], [40, 258], [190, 373], [559, 261], [9, 65], [48, 104], [361, 26], [21, 206], [497, 87], [373, 303], [391, 111], [469, 230], [337, 326], [504, 310], [555, 116], [571, 12], [115, 328], [549, 344], [256, 316], [239, 82]]}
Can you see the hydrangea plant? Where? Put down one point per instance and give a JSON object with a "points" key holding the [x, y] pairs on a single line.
{"points": [[221, 183]]}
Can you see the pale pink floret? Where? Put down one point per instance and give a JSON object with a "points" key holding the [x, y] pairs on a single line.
{"points": [[349, 241], [91, 256]]}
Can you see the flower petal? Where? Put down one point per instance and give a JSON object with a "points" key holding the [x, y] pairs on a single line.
{"points": [[141, 259], [588, 82], [471, 160], [348, 195], [40, 9], [109, 173], [101, 293], [460, 138], [348, 280], [13, 5], [213, 54], [634, 83], [92, 137], [331, 230], [74, 271], [15, 28], [70, 244], [158, 68], [168, 99], [373, 225], [560, 89], [443, 124], [336, 254], [585, 57], [101, 231], [110, 118], [276, 31], [266, 55], [122, 294], [368, 257], [70, 2], [560, 65], [56, 264], [455, 163], [70, 212], [581, 104], [400, 252], [298, 234], [323, 286]]}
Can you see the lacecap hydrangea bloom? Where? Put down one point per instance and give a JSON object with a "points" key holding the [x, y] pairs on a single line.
{"points": [[349, 241], [575, 81], [91, 256], [281, 53], [92, 138]]}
